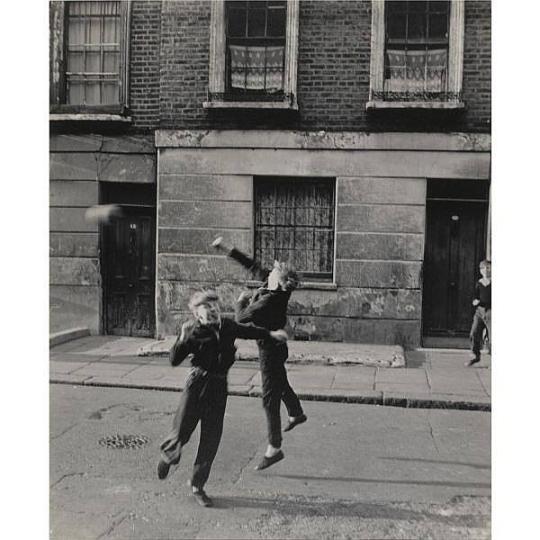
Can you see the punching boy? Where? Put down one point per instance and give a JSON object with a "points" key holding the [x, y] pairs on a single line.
{"points": [[209, 338], [267, 307]]}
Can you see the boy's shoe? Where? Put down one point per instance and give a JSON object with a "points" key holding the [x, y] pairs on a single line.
{"points": [[202, 498], [472, 361], [267, 461], [163, 469], [297, 420]]}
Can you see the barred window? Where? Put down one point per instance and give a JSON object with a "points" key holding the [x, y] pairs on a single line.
{"points": [[93, 53], [255, 48], [294, 223], [416, 52]]}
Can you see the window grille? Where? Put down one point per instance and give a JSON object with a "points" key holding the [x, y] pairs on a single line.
{"points": [[416, 50], [93, 43], [294, 223], [255, 48]]}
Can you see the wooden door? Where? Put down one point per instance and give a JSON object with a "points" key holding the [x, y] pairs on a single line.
{"points": [[129, 255], [455, 244]]}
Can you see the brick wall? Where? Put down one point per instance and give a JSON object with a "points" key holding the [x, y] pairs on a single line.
{"points": [[333, 73], [477, 64], [184, 68], [144, 63]]}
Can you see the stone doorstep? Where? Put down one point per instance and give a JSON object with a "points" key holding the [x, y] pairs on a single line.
{"points": [[307, 352], [67, 335]]}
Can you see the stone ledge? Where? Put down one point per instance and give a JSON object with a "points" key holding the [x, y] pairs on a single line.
{"points": [[67, 335], [344, 140], [307, 352]]}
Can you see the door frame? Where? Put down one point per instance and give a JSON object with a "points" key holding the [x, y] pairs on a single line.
{"points": [[487, 208]]}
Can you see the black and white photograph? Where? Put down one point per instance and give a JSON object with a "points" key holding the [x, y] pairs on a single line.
{"points": [[269, 270]]}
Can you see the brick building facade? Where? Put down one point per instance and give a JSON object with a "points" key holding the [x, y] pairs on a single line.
{"points": [[397, 181]]}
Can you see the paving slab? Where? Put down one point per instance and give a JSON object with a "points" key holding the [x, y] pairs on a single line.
{"points": [[94, 369], [239, 389], [150, 372], [66, 367], [75, 357], [402, 387], [485, 379], [410, 376], [241, 376]]}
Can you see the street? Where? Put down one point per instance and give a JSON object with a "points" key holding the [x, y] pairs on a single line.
{"points": [[352, 471]]}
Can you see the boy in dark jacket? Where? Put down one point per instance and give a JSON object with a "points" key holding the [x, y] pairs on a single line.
{"points": [[267, 307], [482, 314], [210, 340]]}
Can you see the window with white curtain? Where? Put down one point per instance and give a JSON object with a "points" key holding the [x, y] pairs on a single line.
{"points": [[253, 54], [416, 53]]}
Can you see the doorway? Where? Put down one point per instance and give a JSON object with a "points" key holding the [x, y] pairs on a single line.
{"points": [[128, 261], [456, 218]]}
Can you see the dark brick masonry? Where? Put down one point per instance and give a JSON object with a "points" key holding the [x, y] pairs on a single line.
{"points": [[169, 72]]}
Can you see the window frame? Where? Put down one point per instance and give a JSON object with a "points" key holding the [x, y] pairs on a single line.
{"points": [[308, 279], [217, 94], [456, 39], [58, 108]]}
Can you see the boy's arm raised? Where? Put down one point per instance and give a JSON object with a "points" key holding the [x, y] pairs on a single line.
{"points": [[256, 270]]}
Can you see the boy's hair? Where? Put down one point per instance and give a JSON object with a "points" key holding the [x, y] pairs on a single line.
{"points": [[289, 278], [484, 263], [202, 297]]}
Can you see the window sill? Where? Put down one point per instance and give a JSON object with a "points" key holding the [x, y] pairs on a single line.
{"points": [[415, 105], [310, 285], [250, 105], [89, 117]]}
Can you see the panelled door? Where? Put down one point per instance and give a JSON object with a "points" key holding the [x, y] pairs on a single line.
{"points": [[129, 254], [455, 244]]}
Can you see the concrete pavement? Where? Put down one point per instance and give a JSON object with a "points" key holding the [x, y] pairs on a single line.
{"points": [[430, 378]]}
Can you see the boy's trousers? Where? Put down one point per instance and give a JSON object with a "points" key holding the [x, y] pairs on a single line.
{"points": [[276, 388], [204, 398], [481, 320]]}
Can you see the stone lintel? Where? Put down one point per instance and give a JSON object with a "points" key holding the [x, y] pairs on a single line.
{"points": [[467, 142]]}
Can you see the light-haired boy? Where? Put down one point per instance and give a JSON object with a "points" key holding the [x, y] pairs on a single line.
{"points": [[482, 314], [209, 338]]}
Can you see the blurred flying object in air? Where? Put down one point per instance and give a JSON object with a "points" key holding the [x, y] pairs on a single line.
{"points": [[103, 214]]}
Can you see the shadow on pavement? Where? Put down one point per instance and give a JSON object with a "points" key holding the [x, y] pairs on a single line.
{"points": [[478, 485], [437, 461], [315, 508]]}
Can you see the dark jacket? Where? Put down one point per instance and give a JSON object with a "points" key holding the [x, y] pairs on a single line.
{"points": [[213, 349], [266, 308], [483, 294]]}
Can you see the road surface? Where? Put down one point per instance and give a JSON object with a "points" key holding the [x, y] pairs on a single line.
{"points": [[352, 471]]}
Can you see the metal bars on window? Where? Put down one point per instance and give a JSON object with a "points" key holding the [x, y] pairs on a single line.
{"points": [[93, 48], [294, 223]]}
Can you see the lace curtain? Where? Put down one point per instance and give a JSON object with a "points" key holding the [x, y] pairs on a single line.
{"points": [[257, 68], [416, 71]]}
